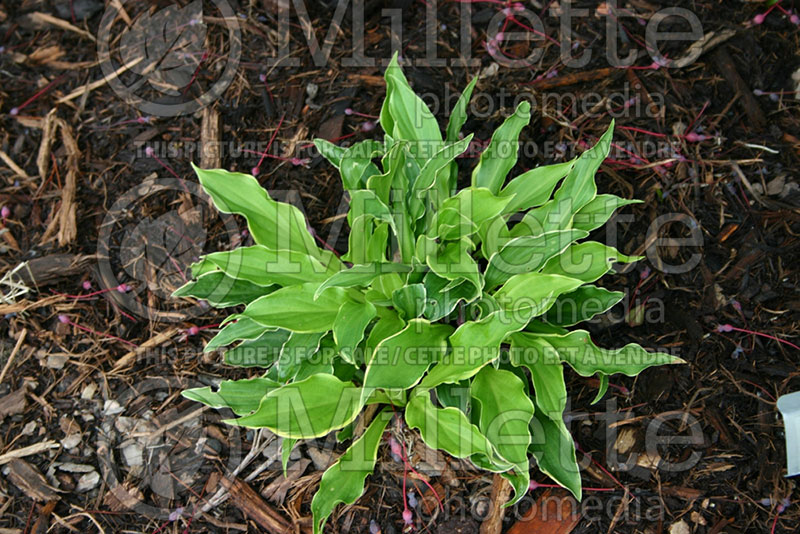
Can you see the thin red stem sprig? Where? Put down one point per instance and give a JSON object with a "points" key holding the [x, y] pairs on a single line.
{"points": [[257, 169], [194, 330], [137, 120], [759, 19], [784, 504], [150, 153], [351, 111], [533, 486], [66, 320], [122, 288], [729, 328], [15, 111]]}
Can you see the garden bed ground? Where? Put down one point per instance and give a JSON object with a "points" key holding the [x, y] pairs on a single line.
{"points": [[80, 410]]}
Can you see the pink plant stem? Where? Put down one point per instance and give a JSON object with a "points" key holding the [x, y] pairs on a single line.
{"points": [[40, 92], [729, 328], [151, 153], [359, 114], [257, 168], [420, 477], [66, 320], [702, 110], [535, 485], [641, 131], [604, 470], [203, 58]]}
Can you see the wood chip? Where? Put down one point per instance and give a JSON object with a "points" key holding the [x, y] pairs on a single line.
{"points": [[750, 105], [501, 490], [13, 166], [30, 481], [210, 157], [53, 268], [151, 343], [45, 19], [555, 512], [30, 450], [253, 506], [13, 403]]}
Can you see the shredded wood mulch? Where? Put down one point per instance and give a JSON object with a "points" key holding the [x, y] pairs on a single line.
{"points": [[102, 216]]}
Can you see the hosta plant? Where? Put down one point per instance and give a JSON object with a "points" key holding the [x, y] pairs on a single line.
{"points": [[450, 307]]}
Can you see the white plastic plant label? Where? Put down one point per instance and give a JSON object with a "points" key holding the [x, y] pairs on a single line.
{"points": [[789, 406]]}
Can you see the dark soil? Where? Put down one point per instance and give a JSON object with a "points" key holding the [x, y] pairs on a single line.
{"points": [[84, 398]]}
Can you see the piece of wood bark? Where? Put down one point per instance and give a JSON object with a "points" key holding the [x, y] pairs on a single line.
{"points": [[555, 512], [577, 77], [30, 481], [501, 491], [210, 157], [47, 270], [253, 506], [42, 523], [726, 66]]}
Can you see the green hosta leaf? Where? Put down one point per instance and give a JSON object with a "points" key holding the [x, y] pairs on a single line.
{"points": [[264, 267], [453, 262], [399, 361], [494, 235], [393, 163], [241, 396], [505, 417], [330, 152], [366, 202], [409, 301], [528, 253], [458, 116], [287, 445], [501, 154], [406, 117], [395, 397], [361, 232], [349, 326], [586, 261], [430, 171], [356, 165], [597, 212], [601, 391], [343, 482], [534, 187], [244, 328], [454, 395], [297, 349], [307, 409], [477, 205], [581, 305], [532, 294], [546, 369], [361, 275], [554, 450], [448, 429], [276, 225], [449, 223], [579, 186], [387, 325], [577, 349], [294, 308], [221, 290], [473, 345], [377, 243], [442, 299], [320, 363], [260, 352]]}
